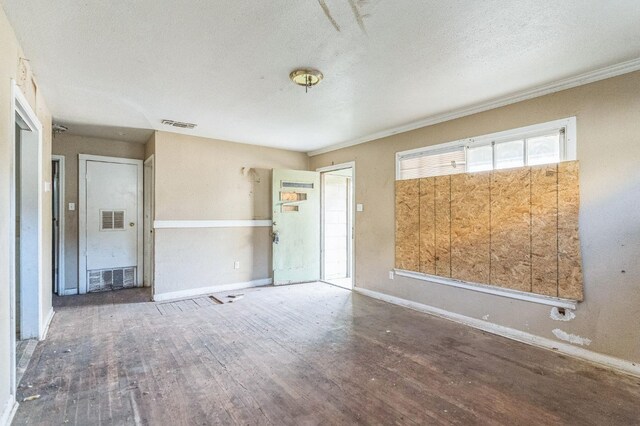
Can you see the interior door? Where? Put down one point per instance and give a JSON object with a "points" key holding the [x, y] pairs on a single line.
{"points": [[296, 226], [111, 225]]}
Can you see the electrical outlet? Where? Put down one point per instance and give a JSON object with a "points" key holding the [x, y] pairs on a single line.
{"points": [[359, 207], [236, 264], [72, 206], [392, 275]]}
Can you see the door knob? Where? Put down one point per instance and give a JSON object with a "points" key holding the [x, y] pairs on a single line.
{"points": [[275, 236], [132, 224]]}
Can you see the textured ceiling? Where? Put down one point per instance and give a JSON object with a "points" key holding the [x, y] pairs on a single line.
{"points": [[225, 65]]}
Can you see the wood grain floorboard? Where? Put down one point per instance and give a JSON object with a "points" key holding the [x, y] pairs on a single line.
{"points": [[302, 354]]}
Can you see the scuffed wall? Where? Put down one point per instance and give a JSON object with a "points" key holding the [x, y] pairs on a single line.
{"points": [[203, 179], [608, 145], [14, 65]]}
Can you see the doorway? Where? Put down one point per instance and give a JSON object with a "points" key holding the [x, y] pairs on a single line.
{"points": [[110, 223], [25, 289], [337, 219], [58, 228]]}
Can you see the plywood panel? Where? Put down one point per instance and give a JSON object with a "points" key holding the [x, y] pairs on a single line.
{"points": [[510, 229], [442, 206], [569, 258], [470, 227], [544, 230], [408, 224], [427, 226]]}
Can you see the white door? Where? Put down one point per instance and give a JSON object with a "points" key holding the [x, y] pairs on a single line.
{"points": [[296, 226], [111, 218]]}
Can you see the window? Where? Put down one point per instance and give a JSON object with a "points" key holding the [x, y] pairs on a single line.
{"points": [[544, 143]]}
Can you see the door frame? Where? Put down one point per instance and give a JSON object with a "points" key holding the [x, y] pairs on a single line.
{"points": [[20, 107], [62, 289], [149, 237], [82, 216], [352, 241]]}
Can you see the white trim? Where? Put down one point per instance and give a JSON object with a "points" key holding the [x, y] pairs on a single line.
{"points": [[8, 411], [607, 361], [47, 324], [489, 289], [567, 83], [352, 264], [149, 209], [82, 217], [568, 152], [20, 106], [168, 224], [69, 292], [61, 226], [208, 290]]}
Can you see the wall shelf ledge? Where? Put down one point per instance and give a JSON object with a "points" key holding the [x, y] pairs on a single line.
{"points": [[489, 289]]}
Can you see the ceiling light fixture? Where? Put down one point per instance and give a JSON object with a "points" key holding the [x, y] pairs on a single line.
{"points": [[306, 77]]}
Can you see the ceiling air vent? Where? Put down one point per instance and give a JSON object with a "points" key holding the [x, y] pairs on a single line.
{"points": [[179, 124]]}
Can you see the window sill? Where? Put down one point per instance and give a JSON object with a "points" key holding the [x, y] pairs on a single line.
{"points": [[489, 289]]}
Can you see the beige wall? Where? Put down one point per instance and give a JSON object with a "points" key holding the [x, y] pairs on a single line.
{"points": [[150, 146], [11, 67], [202, 179], [608, 126], [71, 146]]}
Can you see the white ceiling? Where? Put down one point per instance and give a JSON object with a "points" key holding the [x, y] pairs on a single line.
{"points": [[225, 64]]}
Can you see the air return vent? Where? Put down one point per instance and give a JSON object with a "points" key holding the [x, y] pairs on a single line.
{"points": [[179, 124], [111, 279], [111, 220]]}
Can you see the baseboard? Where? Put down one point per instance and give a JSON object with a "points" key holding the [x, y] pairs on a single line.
{"points": [[208, 290], [47, 324], [620, 365], [8, 411]]}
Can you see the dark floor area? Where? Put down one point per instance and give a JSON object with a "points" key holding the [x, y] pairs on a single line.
{"points": [[302, 354]]}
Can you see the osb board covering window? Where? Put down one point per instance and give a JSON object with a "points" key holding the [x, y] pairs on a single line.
{"points": [[515, 228]]}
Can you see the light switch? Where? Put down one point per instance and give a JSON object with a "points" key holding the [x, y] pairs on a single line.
{"points": [[72, 206], [236, 264], [359, 207], [47, 186]]}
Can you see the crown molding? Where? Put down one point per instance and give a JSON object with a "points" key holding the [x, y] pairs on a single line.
{"points": [[557, 86]]}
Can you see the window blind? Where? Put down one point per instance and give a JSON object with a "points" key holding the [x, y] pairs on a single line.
{"points": [[438, 163]]}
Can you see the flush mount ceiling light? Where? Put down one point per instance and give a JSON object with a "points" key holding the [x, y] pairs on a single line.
{"points": [[306, 77]]}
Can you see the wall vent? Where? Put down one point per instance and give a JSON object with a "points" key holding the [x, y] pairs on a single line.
{"points": [[111, 279], [179, 124], [111, 220]]}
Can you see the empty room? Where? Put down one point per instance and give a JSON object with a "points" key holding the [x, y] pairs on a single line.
{"points": [[319, 212]]}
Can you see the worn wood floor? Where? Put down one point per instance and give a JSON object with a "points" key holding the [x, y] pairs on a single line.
{"points": [[304, 354]]}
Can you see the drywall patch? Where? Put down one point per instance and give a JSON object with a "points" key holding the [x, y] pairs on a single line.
{"points": [[564, 315], [571, 338]]}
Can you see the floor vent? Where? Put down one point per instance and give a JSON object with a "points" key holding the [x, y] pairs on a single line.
{"points": [[111, 279]]}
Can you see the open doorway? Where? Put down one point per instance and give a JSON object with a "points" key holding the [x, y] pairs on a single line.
{"points": [[57, 230], [337, 213], [26, 248]]}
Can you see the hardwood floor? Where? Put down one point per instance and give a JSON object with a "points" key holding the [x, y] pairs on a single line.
{"points": [[302, 354]]}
